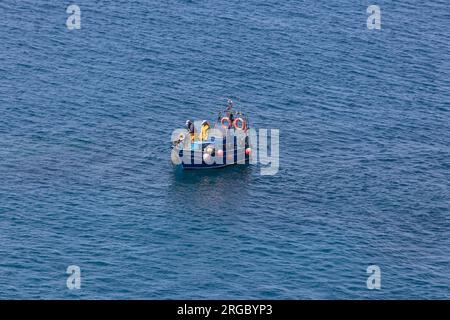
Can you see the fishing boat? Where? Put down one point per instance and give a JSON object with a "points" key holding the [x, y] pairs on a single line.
{"points": [[227, 143]]}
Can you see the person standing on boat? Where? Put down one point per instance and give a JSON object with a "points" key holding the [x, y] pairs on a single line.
{"points": [[191, 129], [230, 112], [231, 119], [204, 131]]}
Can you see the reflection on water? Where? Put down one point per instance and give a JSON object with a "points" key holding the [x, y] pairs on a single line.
{"points": [[215, 188]]}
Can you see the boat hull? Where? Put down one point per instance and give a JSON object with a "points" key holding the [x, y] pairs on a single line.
{"points": [[223, 163], [194, 160]]}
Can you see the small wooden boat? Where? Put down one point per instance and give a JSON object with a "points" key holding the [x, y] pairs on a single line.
{"points": [[228, 143]]}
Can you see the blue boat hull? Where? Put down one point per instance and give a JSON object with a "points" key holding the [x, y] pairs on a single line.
{"points": [[197, 149], [196, 166]]}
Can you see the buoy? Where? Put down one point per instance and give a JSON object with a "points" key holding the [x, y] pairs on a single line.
{"points": [[240, 124], [220, 153], [209, 149], [230, 157], [226, 122], [248, 151], [207, 158]]}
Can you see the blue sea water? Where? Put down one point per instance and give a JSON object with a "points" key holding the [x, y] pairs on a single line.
{"points": [[85, 124]]}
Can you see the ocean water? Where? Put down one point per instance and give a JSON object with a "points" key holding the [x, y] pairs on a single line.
{"points": [[85, 124]]}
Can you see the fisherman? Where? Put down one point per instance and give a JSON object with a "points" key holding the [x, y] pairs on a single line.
{"points": [[230, 112], [190, 128], [204, 131], [231, 119]]}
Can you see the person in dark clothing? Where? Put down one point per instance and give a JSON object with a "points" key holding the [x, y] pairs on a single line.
{"points": [[190, 127]]}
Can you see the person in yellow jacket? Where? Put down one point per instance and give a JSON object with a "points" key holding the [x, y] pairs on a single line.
{"points": [[204, 131]]}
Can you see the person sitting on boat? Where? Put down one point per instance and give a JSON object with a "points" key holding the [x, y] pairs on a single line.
{"points": [[191, 129], [204, 131], [231, 119]]}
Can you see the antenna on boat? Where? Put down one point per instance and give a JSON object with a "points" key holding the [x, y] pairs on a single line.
{"points": [[230, 104]]}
